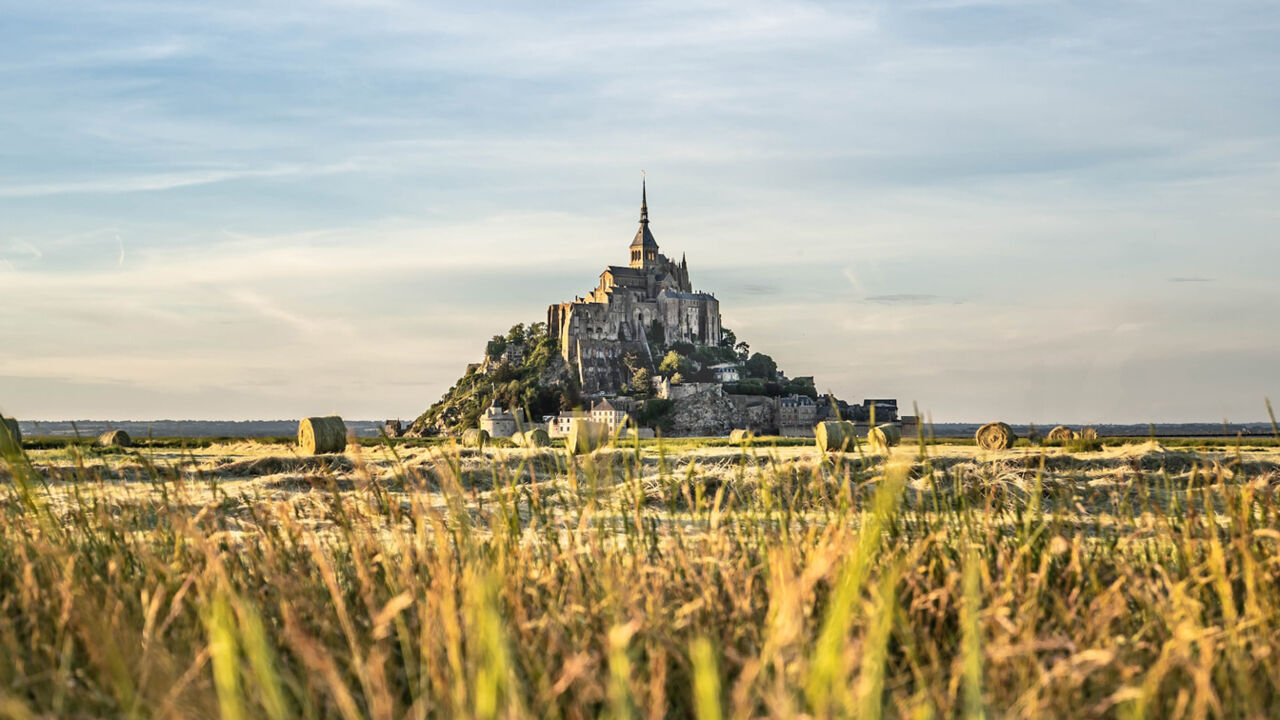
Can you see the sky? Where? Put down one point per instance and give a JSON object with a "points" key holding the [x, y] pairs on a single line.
{"points": [[1026, 211]]}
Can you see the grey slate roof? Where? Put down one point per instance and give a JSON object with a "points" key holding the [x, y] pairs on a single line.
{"points": [[644, 238]]}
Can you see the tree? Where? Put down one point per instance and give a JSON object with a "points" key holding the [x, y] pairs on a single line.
{"points": [[497, 345], [657, 336], [655, 413], [569, 398], [727, 338], [674, 363], [632, 361], [642, 382], [516, 335], [762, 366], [743, 349], [801, 386]]}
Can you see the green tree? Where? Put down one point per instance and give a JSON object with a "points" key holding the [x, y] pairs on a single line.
{"points": [[744, 350], [655, 413], [657, 336], [632, 361], [727, 338], [801, 386], [674, 363], [495, 348], [761, 366], [515, 335], [642, 382]]}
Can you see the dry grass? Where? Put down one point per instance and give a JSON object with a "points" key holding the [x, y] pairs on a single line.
{"points": [[243, 582]]}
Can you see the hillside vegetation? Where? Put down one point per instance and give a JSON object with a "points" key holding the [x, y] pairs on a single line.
{"points": [[524, 369]]}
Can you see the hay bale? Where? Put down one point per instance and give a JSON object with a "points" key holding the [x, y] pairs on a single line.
{"points": [[321, 435], [114, 438], [1062, 434], [836, 436], [475, 438], [1087, 434], [10, 436], [534, 438], [883, 437], [740, 435], [586, 436], [995, 436]]}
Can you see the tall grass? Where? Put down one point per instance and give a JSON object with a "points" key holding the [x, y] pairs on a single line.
{"points": [[640, 583]]}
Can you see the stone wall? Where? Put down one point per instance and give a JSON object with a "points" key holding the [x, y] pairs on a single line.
{"points": [[756, 413]]}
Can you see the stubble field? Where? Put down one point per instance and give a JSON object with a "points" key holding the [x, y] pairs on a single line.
{"points": [[681, 579]]}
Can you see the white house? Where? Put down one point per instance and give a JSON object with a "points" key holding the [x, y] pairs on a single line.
{"points": [[727, 372]]}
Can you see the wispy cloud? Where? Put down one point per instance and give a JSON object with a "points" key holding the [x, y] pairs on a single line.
{"points": [[905, 299], [941, 178], [164, 181]]}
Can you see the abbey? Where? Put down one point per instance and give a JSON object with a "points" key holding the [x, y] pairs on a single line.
{"points": [[650, 300]]}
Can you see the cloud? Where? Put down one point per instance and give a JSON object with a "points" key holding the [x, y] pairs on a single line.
{"points": [[155, 182], [905, 299], [354, 195]]}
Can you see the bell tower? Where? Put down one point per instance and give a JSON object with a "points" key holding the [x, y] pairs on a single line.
{"points": [[644, 249]]}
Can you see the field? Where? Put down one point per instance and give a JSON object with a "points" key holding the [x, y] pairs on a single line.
{"points": [[668, 579]]}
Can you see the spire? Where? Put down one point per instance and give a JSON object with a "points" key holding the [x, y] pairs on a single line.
{"points": [[644, 200], [644, 249]]}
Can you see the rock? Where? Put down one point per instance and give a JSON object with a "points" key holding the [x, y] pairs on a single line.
{"points": [[707, 412]]}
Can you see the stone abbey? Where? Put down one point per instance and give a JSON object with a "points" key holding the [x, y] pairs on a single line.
{"points": [[651, 298]]}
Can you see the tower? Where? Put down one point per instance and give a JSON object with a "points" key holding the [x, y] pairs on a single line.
{"points": [[644, 249]]}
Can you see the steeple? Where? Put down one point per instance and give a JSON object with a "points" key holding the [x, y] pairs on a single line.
{"points": [[644, 249], [644, 200]]}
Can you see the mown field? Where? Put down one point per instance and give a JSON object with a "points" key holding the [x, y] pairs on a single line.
{"points": [[669, 579]]}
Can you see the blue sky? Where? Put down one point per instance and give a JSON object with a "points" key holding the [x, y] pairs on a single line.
{"points": [[1021, 210]]}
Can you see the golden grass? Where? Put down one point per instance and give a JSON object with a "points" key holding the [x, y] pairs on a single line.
{"points": [[237, 581]]}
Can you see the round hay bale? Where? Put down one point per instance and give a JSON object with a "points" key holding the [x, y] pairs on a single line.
{"points": [[586, 436], [995, 436], [740, 435], [1062, 434], [835, 436], [475, 438], [322, 435], [883, 437], [1088, 434], [10, 436], [114, 438], [535, 438]]}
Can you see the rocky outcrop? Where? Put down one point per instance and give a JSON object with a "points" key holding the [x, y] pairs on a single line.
{"points": [[707, 412], [756, 413]]}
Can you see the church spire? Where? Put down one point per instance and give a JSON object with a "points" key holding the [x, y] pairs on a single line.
{"points": [[644, 249], [644, 200]]}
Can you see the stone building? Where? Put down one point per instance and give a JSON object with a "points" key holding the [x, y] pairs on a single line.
{"points": [[500, 423], [611, 412], [797, 414], [651, 297]]}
